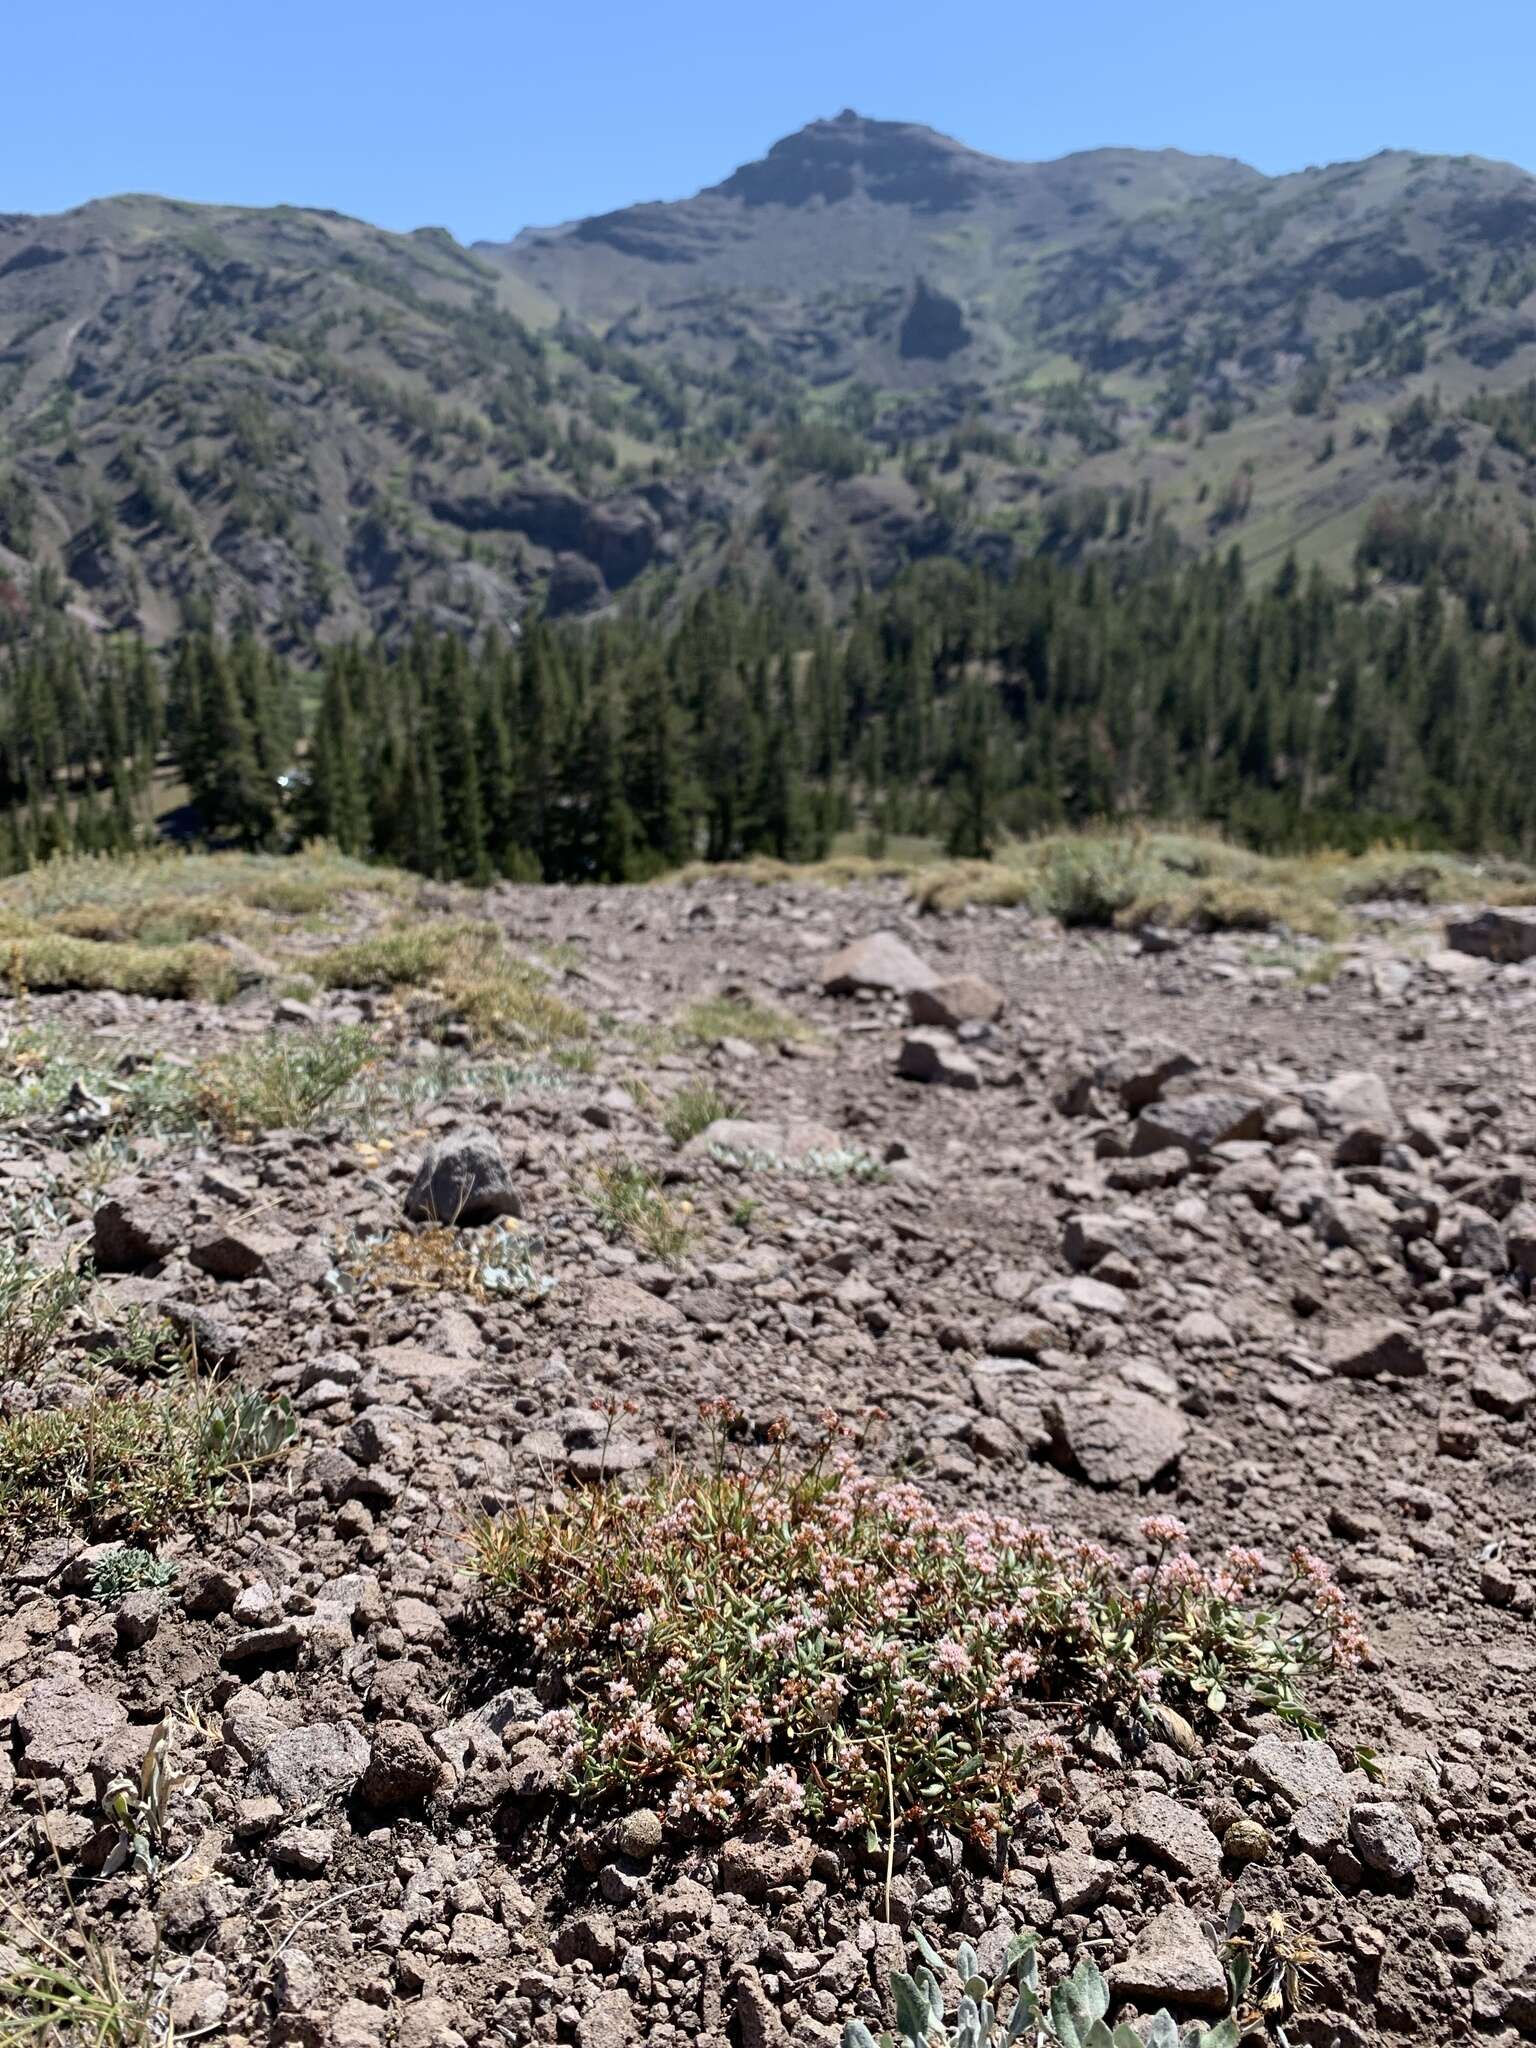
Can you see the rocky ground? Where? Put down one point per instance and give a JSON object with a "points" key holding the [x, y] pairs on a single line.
{"points": [[1102, 1228]]}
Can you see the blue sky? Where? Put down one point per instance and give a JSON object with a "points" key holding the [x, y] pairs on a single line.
{"points": [[483, 118]]}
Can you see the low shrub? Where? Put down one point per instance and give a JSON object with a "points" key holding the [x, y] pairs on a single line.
{"points": [[846, 1162], [285, 1082], [816, 1636], [484, 1264], [128, 1570], [1015, 2006]]}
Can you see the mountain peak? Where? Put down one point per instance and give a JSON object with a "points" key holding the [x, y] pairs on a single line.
{"points": [[896, 163]]}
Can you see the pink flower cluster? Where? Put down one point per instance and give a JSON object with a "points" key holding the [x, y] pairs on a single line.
{"points": [[785, 1639]]}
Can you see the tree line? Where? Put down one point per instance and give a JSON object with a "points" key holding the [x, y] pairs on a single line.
{"points": [[953, 704]]}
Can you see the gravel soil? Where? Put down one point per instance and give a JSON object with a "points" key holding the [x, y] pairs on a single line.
{"points": [[1183, 1231]]}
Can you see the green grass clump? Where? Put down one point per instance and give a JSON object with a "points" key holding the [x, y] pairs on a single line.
{"points": [[286, 884], [739, 1017], [840, 871], [286, 1082], [511, 1007], [136, 1464], [737, 1640], [467, 966], [47, 962], [693, 1109], [1187, 877], [404, 955], [629, 1204], [138, 923]]}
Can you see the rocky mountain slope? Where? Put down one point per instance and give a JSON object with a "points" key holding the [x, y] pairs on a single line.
{"points": [[1194, 1233], [870, 345]]}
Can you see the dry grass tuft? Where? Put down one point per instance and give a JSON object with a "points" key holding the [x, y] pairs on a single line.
{"points": [[1182, 877], [692, 1110], [484, 1265], [58, 1994]]}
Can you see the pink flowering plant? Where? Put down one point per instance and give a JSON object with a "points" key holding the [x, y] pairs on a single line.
{"points": [[803, 1639]]}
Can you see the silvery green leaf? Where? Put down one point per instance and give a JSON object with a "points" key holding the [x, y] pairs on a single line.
{"points": [[928, 1984], [1077, 2002], [1163, 2032], [926, 1950], [1225, 2034], [857, 2035], [967, 2025], [967, 1964], [912, 2015], [1026, 2010]]}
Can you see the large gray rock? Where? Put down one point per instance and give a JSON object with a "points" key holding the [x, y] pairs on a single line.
{"points": [[1140, 1071], [1502, 1390], [1115, 1436], [1079, 1880], [303, 1766], [1386, 1840], [1174, 1835], [934, 1056], [1299, 1771], [960, 999], [1352, 1099], [403, 1767], [749, 1138], [1495, 935], [1090, 1236], [1135, 1076], [1357, 1109], [1520, 1238], [61, 1726], [1172, 1961], [131, 1230], [464, 1179], [1362, 1350], [1197, 1122], [882, 964], [241, 1252]]}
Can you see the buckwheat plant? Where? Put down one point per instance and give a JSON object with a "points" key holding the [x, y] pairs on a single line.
{"points": [[806, 1633]]}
